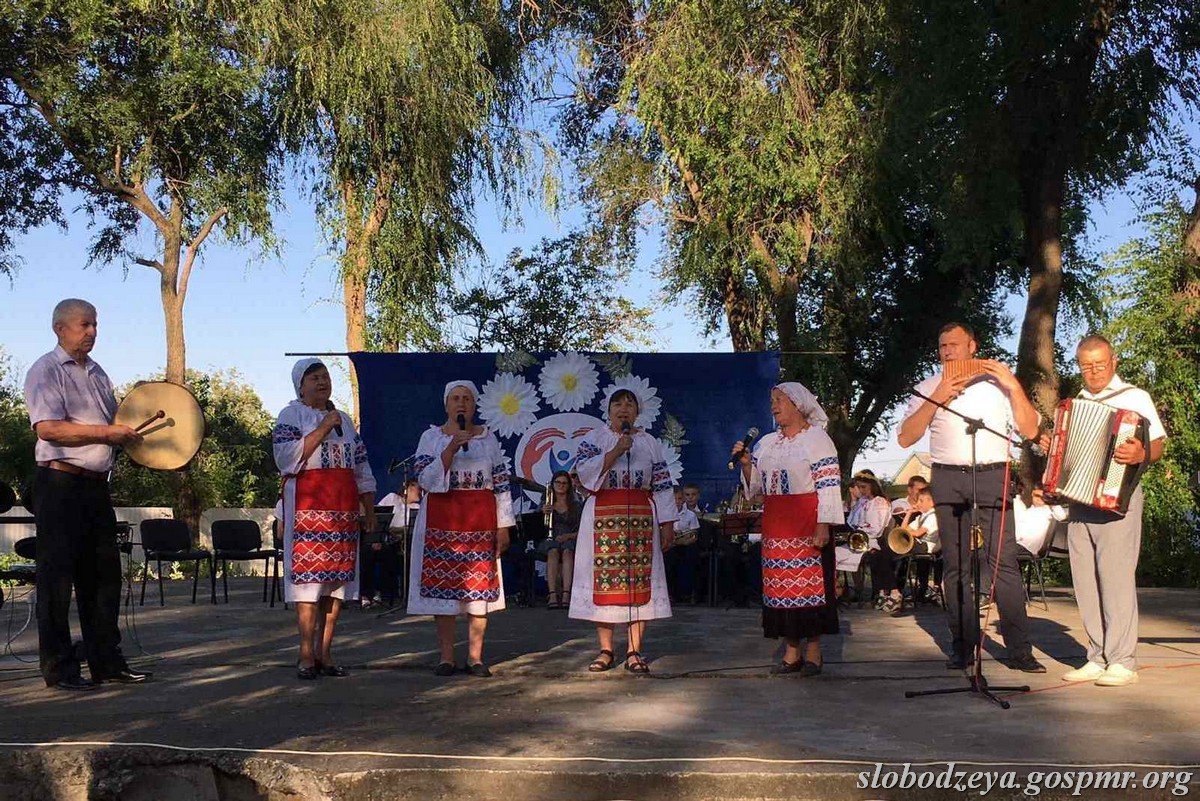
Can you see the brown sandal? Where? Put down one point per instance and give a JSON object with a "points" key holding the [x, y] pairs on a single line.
{"points": [[600, 664]]}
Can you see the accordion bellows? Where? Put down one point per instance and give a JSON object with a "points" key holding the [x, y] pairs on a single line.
{"points": [[1080, 466]]}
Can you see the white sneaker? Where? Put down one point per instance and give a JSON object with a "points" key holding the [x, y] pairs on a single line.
{"points": [[1117, 676], [1089, 672]]}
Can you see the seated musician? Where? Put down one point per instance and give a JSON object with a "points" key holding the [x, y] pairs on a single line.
{"points": [[1034, 519], [902, 505], [873, 515], [922, 522], [684, 557], [1105, 545]]}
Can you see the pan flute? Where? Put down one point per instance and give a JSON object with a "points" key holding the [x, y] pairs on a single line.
{"points": [[963, 368], [1080, 465]]}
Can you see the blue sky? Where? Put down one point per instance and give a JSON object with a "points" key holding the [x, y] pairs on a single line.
{"points": [[245, 314]]}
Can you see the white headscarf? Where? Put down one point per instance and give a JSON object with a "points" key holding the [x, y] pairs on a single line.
{"points": [[469, 385], [805, 401], [300, 368]]}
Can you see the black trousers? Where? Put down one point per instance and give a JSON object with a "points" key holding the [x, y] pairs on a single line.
{"points": [[682, 563], [883, 568], [76, 547], [385, 561], [952, 496]]}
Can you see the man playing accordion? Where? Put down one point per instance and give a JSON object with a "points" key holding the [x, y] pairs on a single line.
{"points": [[1104, 544]]}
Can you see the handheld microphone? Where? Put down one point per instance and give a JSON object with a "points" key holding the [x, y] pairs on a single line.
{"points": [[329, 407], [751, 435], [462, 426], [625, 427]]}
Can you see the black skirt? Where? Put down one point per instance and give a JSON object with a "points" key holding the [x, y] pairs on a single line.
{"points": [[800, 624]]}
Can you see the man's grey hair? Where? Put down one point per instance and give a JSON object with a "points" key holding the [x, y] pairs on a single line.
{"points": [[66, 308]]}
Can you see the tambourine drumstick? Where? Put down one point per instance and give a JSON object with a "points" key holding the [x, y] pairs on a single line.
{"points": [[157, 416], [164, 424]]}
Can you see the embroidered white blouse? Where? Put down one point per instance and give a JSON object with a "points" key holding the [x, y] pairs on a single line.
{"points": [[644, 468], [798, 465], [482, 466]]}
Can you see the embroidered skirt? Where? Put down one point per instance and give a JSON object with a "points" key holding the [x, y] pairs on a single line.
{"points": [[458, 560], [798, 577], [623, 551], [324, 546]]}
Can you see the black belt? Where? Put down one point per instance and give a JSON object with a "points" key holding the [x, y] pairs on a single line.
{"points": [[966, 468]]}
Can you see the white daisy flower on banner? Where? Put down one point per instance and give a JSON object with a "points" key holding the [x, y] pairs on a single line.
{"points": [[674, 459], [648, 401], [508, 404], [569, 381]]}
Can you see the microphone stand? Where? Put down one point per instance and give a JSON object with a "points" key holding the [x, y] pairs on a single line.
{"points": [[405, 537], [977, 684]]}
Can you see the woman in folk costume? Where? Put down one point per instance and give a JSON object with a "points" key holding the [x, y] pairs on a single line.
{"points": [[327, 485], [795, 469], [461, 529], [626, 524]]}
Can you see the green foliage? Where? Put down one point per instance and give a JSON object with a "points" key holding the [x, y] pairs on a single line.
{"points": [[561, 297], [1155, 285], [142, 106], [235, 466], [405, 109], [16, 435]]}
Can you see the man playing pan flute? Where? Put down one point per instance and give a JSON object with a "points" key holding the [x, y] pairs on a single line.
{"points": [[986, 390]]}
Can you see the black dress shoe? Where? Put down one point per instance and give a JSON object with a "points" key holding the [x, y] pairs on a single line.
{"points": [[336, 671], [1026, 663], [479, 670], [445, 669], [125, 675], [75, 683], [957, 662]]}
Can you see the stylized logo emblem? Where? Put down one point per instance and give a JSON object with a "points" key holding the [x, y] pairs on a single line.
{"points": [[549, 446]]}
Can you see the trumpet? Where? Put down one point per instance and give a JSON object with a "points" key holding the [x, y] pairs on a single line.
{"points": [[900, 540], [857, 541]]}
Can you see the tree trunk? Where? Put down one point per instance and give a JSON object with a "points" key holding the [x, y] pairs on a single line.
{"points": [[354, 293], [1043, 199], [745, 328]]}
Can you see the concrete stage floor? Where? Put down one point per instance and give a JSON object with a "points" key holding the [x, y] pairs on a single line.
{"points": [[707, 723]]}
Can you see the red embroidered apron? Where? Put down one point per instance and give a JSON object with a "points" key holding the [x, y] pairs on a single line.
{"points": [[792, 574], [325, 528], [623, 547], [459, 559]]}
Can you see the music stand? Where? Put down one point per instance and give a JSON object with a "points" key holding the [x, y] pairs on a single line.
{"points": [[732, 524], [976, 683]]}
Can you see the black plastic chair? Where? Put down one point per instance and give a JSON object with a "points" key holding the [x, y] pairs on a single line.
{"points": [[171, 540], [1030, 564], [239, 541]]}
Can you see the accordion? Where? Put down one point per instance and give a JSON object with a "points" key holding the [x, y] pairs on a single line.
{"points": [[1080, 466]]}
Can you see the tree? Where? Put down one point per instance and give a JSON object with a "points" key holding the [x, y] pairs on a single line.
{"points": [[1155, 285], [562, 297], [405, 108], [146, 112], [235, 466], [1040, 107], [16, 435], [802, 205]]}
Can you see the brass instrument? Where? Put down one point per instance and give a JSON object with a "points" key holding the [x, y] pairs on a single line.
{"points": [[901, 540], [857, 541], [548, 510]]}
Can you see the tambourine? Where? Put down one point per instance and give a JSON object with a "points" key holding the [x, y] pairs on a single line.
{"points": [[170, 421]]}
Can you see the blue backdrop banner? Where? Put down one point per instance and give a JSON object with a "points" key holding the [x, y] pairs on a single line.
{"points": [[540, 405]]}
